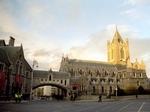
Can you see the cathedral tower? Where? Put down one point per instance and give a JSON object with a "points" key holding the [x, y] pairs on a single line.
{"points": [[118, 50]]}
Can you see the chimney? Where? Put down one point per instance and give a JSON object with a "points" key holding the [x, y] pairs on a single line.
{"points": [[11, 41]]}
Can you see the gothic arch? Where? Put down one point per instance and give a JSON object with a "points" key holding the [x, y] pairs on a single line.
{"points": [[64, 89], [50, 84], [122, 53]]}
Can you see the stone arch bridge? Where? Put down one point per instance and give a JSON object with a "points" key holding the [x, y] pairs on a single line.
{"points": [[59, 80]]}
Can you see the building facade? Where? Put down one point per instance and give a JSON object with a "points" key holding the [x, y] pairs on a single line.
{"points": [[97, 77], [15, 72]]}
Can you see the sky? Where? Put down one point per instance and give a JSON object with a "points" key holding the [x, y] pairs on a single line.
{"points": [[77, 28]]}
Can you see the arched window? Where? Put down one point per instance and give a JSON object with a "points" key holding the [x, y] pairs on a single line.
{"points": [[122, 53], [1, 67], [138, 83], [89, 71], [17, 67], [98, 74], [81, 71], [72, 72], [94, 90], [50, 78], [20, 70], [110, 89]]}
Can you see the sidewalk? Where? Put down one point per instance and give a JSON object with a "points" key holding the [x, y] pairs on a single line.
{"points": [[25, 101], [12, 101]]}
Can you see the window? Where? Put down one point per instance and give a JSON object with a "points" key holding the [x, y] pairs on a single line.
{"points": [[17, 67], [61, 81], [20, 69], [134, 74], [124, 75], [27, 74], [80, 72], [50, 78], [110, 89], [138, 83], [41, 79], [140, 74], [122, 53], [65, 82], [1, 67]]}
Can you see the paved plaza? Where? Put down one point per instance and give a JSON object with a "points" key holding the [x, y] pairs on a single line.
{"points": [[130, 105]]}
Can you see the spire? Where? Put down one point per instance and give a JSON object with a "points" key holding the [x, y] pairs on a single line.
{"points": [[117, 37], [142, 64], [129, 65]]}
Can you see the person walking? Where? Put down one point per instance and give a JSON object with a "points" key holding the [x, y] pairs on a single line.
{"points": [[16, 97], [68, 97], [100, 98]]}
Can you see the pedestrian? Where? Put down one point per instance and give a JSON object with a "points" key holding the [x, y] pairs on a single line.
{"points": [[73, 97], [68, 96], [100, 98], [16, 97]]}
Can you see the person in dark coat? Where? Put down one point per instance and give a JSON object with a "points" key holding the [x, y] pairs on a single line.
{"points": [[100, 98]]}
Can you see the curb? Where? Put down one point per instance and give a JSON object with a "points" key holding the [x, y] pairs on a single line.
{"points": [[12, 101]]}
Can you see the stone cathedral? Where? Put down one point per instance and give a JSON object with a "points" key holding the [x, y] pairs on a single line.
{"points": [[99, 77]]}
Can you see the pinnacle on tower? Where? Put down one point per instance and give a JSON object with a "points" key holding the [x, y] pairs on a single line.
{"points": [[117, 37]]}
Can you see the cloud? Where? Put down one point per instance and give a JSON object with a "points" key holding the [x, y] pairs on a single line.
{"points": [[132, 2], [137, 2], [55, 64], [139, 47], [129, 12], [41, 52], [137, 10]]}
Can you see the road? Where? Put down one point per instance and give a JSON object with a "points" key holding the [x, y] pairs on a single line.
{"points": [[134, 105]]}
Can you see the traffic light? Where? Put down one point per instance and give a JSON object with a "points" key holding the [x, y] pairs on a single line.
{"points": [[74, 86]]}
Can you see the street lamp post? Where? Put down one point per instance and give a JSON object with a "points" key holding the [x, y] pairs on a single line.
{"points": [[35, 63]]}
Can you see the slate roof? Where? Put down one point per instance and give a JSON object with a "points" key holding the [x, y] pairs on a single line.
{"points": [[4, 56], [44, 74], [2, 43], [11, 50], [88, 62], [40, 73], [60, 74]]}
